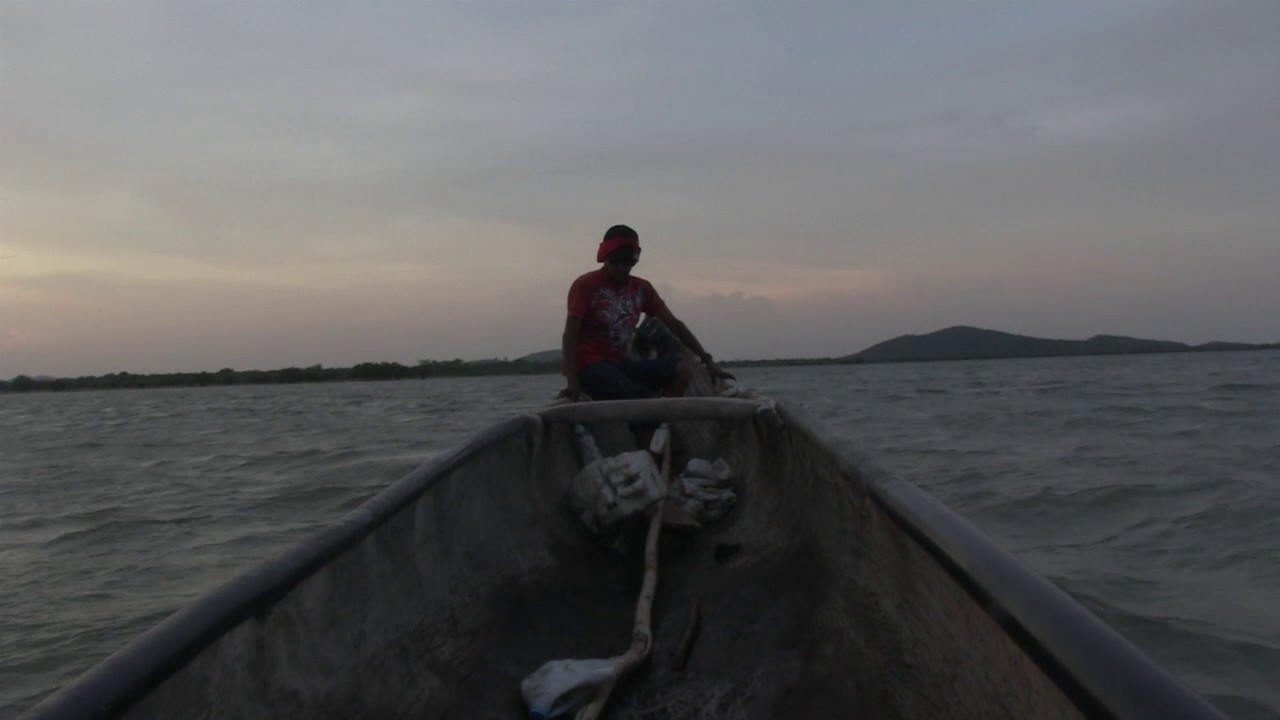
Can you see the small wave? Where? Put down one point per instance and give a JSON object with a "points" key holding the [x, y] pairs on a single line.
{"points": [[158, 463], [1040, 499], [116, 529], [23, 523], [893, 397], [1244, 387], [1173, 629], [1057, 389], [313, 495], [91, 515], [1138, 410]]}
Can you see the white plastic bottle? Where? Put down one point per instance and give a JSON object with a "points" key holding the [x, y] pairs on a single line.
{"points": [[661, 437], [562, 686]]}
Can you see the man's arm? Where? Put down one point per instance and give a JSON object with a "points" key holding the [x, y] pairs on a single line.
{"points": [[685, 335], [569, 360]]}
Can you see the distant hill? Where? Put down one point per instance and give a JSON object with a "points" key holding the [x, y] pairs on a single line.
{"points": [[970, 343], [546, 356]]}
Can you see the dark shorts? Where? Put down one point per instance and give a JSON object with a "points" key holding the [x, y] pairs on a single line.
{"points": [[629, 380]]}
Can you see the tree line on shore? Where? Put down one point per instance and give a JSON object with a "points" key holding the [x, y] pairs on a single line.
{"points": [[318, 373], [314, 373]]}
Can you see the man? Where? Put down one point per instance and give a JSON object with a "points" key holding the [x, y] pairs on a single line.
{"points": [[604, 309]]}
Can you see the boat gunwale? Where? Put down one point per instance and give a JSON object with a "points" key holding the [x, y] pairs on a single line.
{"points": [[656, 409], [1104, 674]]}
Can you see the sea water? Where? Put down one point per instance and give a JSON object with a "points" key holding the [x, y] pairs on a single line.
{"points": [[1148, 487]]}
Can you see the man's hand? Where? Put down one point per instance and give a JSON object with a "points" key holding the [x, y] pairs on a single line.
{"points": [[570, 393]]}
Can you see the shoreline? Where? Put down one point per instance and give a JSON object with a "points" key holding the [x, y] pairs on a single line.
{"points": [[385, 371]]}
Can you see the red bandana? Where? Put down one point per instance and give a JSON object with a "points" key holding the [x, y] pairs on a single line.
{"points": [[608, 246]]}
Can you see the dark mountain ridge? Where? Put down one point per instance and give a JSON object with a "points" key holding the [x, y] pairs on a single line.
{"points": [[971, 343]]}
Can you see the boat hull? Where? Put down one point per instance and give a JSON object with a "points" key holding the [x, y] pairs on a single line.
{"points": [[834, 589]]}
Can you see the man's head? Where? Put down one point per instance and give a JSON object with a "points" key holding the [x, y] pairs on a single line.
{"points": [[619, 251]]}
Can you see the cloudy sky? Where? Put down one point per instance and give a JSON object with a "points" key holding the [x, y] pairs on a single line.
{"points": [[189, 186]]}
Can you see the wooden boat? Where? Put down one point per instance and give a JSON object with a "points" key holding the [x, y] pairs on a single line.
{"points": [[833, 590]]}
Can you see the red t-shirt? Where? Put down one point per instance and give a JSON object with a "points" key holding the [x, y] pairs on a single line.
{"points": [[609, 314]]}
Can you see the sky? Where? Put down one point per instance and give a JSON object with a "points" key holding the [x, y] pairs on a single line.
{"points": [[256, 184]]}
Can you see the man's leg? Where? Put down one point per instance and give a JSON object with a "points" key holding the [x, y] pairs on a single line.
{"points": [[605, 381], [633, 379], [667, 376]]}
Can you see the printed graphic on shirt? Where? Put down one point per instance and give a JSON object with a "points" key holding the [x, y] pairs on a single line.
{"points": [[618, 310], [609, 314]]}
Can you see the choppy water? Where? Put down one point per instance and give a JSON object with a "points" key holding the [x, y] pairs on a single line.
{"points": [[1148, 487]]}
